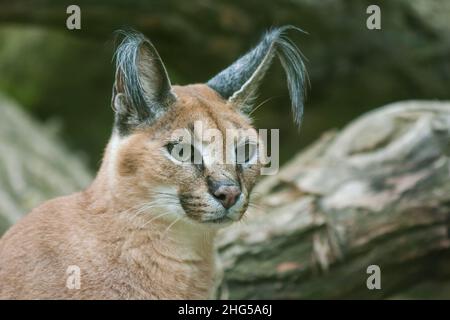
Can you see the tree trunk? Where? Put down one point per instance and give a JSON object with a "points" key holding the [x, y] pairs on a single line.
{"points": [[377, 193]]}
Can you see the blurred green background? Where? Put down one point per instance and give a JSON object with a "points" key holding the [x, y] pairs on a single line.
{"points": [[55, 84], [65, 77]]}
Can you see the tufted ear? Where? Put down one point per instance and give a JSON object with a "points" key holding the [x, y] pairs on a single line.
{"points": [[239, 82], [142, 90]]}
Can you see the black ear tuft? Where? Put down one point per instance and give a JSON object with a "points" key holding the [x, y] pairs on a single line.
{"points": [[240, 81], [142, 89]]}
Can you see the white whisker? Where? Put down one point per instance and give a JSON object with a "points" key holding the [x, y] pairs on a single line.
{"points": [[170, 226], [154, 218]]}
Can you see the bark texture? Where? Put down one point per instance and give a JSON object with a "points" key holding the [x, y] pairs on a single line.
{"points": [[376, 193]]}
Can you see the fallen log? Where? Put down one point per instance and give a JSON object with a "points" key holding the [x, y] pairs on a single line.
{"points": [[377, 193]]}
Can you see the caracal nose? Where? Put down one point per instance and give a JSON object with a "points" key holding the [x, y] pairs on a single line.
{"points": [[227, 194]]}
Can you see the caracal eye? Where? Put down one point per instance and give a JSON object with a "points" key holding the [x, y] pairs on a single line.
{"points": [[246, 153], [184, 152]]}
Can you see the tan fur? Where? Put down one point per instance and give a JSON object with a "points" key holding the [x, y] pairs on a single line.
{"points": [[122, 250]]}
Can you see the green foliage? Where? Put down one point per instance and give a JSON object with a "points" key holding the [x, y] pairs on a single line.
{"points": [[54, 72]]}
